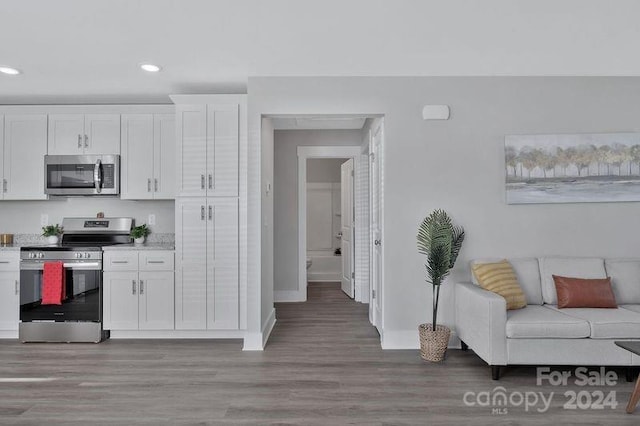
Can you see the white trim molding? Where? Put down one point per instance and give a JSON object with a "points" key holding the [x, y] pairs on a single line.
{"points": [[257, 341], [304, 153]]}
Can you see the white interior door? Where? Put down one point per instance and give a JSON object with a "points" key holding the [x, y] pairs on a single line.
{"points": [[375, 175], [346, 184]]}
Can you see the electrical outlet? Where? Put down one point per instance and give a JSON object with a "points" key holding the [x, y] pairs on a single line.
{"points": [[44, 219], [152, 219]]}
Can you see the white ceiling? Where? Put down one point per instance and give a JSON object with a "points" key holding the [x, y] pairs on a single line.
{"points": [[89, 50]]}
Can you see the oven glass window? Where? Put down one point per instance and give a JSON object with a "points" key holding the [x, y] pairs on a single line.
{"points": [[82, 302]]}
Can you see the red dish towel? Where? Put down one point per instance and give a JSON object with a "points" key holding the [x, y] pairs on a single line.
{"points": [[53, 280]]}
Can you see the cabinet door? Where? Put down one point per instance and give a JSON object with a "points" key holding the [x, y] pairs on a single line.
{"points": [[137, 157], [101, 134], [9, 300], [164, 156], [191, 260], [156, 301], [25, 145], [191, 123], [222, 150], [120, 304], [66, 134], [222, 264]]}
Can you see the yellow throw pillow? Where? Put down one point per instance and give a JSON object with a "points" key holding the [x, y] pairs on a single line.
{"points": [[500, 278]]}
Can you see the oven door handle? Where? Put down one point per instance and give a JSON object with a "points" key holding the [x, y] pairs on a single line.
{"points": [[73, 266], [97, 176]]}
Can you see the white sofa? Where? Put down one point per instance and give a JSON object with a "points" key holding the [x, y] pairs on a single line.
{"points": [[542, 334]]}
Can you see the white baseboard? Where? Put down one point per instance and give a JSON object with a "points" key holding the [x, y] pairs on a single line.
{"points": [[408, 339], [323, 276], [289, 296], [177, 334], [13, 334], [256, 341]]}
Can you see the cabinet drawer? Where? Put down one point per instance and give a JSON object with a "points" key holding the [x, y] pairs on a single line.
{"points": [[10, 261], [120, 261], [160, 260]]}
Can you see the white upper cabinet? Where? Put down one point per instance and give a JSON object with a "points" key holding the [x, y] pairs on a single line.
{"points": [[148, 156], [191, 122], [102, 134], [24, 148], [78, 134], [164, 156], [208, 139]]}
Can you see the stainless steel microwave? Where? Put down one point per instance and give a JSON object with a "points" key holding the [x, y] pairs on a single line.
{"points": [[82, 174]]}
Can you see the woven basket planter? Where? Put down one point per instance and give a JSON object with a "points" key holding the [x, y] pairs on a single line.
{"points": [[433, 344]]}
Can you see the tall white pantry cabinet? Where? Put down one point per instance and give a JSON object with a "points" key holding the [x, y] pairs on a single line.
{"points": [[209, 129]]}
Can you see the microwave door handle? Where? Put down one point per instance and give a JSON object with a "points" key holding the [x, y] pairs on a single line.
{"points": [[97, 176]]}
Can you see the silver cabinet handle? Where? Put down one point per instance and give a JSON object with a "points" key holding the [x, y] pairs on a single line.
{"points": [[149, 185], [141, 287], [4, 185], [210, 181], [155, 261], [133, 286], [119, 261], [155, 184], [377, 242], [201, 181], [201, 212], [80, 141], [17, 287], [210, 213], [4, 261], [86, 141]]}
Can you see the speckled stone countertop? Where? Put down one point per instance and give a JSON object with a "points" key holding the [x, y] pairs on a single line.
{"points": [[145, 246]]}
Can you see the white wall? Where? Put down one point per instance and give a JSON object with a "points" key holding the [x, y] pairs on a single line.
{"points": [[24, 216], [324, 170], [267, 221], [286, 195], [458, 165]]}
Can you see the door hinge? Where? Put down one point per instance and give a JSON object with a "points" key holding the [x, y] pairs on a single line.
{"points": [[353, 275], [352, 173], [373, 294]]}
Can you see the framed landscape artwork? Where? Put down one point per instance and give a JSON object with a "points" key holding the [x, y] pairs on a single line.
{"points": [[572, 168]]}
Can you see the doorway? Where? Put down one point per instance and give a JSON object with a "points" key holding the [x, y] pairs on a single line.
{"points": [[353, 238]]}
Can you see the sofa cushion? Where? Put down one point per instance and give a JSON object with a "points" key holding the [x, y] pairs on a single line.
{"points": [[528, 274], [578, 267], [625, 279], [500, 278], [634, 308], [540, 322], [619, 323], [584, 293]]}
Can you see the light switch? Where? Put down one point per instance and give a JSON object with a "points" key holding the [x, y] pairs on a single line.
{"points": [[152, 219]]}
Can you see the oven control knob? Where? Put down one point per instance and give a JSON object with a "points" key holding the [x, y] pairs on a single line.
{"points": [[78, 255], [32, 255], [40, 255], [87, 255]]}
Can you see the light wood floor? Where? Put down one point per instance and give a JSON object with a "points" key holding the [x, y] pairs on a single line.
{"points": [[323, 366]]}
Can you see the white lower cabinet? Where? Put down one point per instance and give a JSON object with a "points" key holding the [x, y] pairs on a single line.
{"points": [[9, 301], [141, 298], [207, 284]]}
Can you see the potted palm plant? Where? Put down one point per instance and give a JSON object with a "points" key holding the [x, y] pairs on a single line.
{"points": [[440, 241], [52, 233], [139, 233]]}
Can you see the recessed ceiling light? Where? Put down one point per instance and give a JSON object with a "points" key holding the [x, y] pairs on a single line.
{"points": [[9, 70], [150, 67]]}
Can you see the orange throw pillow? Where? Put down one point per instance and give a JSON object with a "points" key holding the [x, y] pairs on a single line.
{"points": [[584, 293]]}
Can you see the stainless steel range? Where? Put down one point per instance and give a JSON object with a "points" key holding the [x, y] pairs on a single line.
{"points": [[79, 316]]}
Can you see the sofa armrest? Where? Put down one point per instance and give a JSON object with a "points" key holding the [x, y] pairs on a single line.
{"points": [[481, 321]]}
